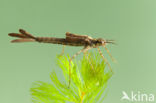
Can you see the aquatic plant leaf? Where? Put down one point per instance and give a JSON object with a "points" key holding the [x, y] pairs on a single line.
{"points": [[88, 82]]}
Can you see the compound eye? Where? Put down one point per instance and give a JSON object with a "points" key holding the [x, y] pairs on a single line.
{"points": [[103, 42]]}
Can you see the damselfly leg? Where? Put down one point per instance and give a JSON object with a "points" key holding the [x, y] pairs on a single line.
{"points": [[89, 60], [110, 55], [62, 50], [105, 59], [82, 50]]}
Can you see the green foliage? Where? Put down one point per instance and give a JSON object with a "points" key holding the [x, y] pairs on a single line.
{"points": [[88, 82]]}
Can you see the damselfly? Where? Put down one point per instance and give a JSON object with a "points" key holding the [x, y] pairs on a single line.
{"points": [[71, 39]]}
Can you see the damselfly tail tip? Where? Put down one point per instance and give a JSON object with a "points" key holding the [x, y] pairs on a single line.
{"points": [[11, 34], [22, 31], [22, 40]]}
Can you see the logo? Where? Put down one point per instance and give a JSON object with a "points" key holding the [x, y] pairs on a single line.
{"points": [[137, 97]]}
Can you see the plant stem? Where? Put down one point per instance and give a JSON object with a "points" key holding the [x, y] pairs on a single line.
{"points": [[82, 95]]}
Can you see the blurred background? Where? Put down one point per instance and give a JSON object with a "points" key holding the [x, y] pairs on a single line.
{"points": [[131, 23]]}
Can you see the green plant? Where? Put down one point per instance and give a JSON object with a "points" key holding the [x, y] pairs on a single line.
{"points": [[88, 82]]}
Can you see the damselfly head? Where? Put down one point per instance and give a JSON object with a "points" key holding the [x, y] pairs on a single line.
{"points": [[103, 42], [100, 42]]}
